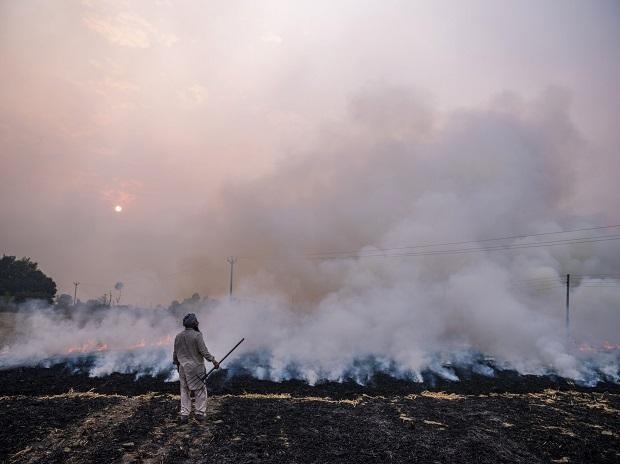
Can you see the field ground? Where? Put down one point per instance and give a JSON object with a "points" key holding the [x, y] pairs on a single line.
{"points": [[294, 423]]}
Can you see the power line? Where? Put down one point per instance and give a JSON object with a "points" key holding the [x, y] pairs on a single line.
{"points": [[597, 275], [599, 286], [525, 283], [510, 237], [477, 249], [525, 287], [531, 287], [517, 283], [554, 287], [535, 281], [385, 252], [544, 287], [538, 279]]}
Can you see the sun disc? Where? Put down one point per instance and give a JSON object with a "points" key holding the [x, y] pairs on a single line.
{"points": [[118, 208]]}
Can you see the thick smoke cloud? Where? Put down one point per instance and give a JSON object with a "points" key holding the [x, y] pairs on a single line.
{"points": [[157, 106], [394, 173]]}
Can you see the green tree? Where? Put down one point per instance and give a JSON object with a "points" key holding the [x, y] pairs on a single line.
{"points": [[21, 280]]}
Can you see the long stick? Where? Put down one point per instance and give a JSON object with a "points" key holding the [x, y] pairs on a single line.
{"points": [[204, 378], [567, 307]]}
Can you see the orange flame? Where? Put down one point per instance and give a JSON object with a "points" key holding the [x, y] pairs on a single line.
{"points": [[88, 347], [606, 346], [92, 346]]}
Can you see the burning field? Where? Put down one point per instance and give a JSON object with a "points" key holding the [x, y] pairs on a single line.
{"points": [[115, 398], [60, 414], [407, 211]]}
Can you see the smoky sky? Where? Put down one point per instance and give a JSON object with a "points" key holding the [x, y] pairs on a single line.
{"points": [[267, 130]]}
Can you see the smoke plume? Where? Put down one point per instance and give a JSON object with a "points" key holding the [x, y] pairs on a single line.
{"points": [[329, 284]]}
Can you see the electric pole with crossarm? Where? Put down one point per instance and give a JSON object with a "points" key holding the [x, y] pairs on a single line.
{"points": [[75, 292], [231, 260]]}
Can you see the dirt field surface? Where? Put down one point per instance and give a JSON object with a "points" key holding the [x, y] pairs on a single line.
{"points": [[295, 423], [429, 427]]}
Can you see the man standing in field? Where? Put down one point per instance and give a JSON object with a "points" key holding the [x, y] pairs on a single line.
{"points": [[189, 354]]}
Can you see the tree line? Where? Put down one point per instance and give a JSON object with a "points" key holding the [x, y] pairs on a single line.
{"points": [[21, 280]]}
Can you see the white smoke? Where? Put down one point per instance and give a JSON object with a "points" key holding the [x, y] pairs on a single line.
{"points": [[389, 175]]}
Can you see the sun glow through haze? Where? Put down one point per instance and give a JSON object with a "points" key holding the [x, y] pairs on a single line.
{"points": [[304, 139], [179, 111]]}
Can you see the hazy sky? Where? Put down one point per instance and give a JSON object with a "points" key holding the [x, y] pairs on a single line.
{"points": [[184, 111]]}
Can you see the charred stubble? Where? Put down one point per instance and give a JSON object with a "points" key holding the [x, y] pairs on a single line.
{"points": [[293, 422]]}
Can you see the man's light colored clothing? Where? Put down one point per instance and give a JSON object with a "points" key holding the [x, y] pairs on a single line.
{"points": [[200, 395], [189, 354]]}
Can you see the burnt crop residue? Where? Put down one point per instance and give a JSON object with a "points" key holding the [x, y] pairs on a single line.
{"points": [[306, 426]]}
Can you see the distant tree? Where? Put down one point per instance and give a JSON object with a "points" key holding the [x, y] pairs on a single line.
{"points": [[103, 302], [195, 299], [174, 305], [64, 301], [119, 286], [21, 280], [188, 305]]}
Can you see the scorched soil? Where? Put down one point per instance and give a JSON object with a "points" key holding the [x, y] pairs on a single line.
{"points": [[54, 415]]}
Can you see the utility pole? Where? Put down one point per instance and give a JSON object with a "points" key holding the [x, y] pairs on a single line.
{"points": [[567, 307], [75, 292], [231, 260]]}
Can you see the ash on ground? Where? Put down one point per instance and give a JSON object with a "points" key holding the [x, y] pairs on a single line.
{"points": [[59, 415]]}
